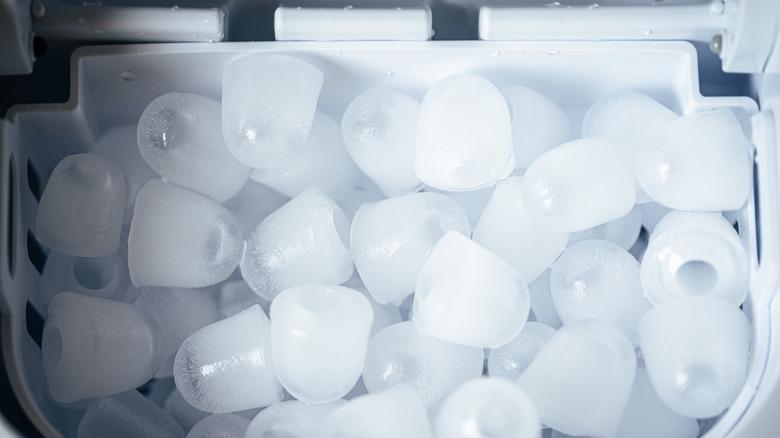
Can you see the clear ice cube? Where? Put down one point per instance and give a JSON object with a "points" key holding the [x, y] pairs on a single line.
{"points": [[127, 415]]}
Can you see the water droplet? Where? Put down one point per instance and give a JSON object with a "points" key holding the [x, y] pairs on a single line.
{"points": [[645, 32], [298, 8], [399, 9], [338, 53], [716, 44], [593, 6], [717, 8], [207, 21], [82, 20], [496, 53], [659, 2], [388, 73], [38, 10], [174, 8], [98, 30], [348, 7], [553, 4], [552, 52], [127, 76]]}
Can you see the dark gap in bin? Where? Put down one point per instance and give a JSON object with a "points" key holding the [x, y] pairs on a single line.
{"points": [[35, 322], [11, 410], [10, 232], [35, 252], [33, 180], [757, 211]]}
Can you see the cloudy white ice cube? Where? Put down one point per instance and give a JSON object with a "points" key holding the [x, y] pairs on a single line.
{"points": [[220, 426], [623, 231], [128, 414], [510, 360], [291, 419]]}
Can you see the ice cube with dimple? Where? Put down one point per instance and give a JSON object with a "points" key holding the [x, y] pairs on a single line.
{"points": [[581, 379], [623, 231], [120, 145], [542, 304], [227, 366], [253, 203], [220, 426], [395, 412], [180, 410], [81, 208], [578, 185], [698, 162], [304, 241], [268, 104], [538, 124], [696, 351], [597, 279], [291, 419], [235, 296], [488, 408], [434, 368], [511, 360], [180, 137], [506, 229], [323, 162], [179, 312], [464, 134], [94, 347], [379, 128], [467, 295], [319, 335], [627, 118], [179, 238], [391, 238], [128, 415]]}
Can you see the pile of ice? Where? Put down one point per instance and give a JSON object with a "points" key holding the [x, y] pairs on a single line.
{"points": [[300, 280]]}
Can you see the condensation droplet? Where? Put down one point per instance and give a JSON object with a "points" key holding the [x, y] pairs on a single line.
{"points": [[127, 76], [388, 73], [553, 4], [98, 30], [552, 52], [645, 32], [496, 53], [659, 2], [174, 8], [593, 6], [82, 20], [338, 53], [348, 7]]}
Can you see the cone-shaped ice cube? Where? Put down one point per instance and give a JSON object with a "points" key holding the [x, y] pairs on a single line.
{"points": [[464, 135], [268, 104], [323, 162], [511, 360], [180, 137], [227, 366], [505, 229], [396, 412], [220, 426], [696, 351], [127, 415], [434, 368], [542, 304], [538, 124], [304, 241], [180, 410], [623, 231], [253, 203], [468, 295], [379, 128], [697, 162], [291, 419], [94, 347], [578, 185], [488, 408], [596, 279], [180, 238], [81, 208], [391, 238], [319, 335], [695, 254], [581, 379]]}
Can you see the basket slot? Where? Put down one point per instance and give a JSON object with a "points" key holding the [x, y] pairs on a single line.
{"points": [[34, 324], [36, 252], [11, 224], [34, 181]]}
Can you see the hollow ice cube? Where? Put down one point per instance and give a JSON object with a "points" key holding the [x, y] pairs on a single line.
{"points": [[94, 347], [510, 360], [81, 208], [227, 366], [467, 295], [220, 426], [379, 128], [180, 137], [128, 414], [697, 162], [578, 185], [291, 419], [434, 368], [179, 238], [305, 241], [696, 350], [319, 335], [268, 104], [506, 229], [391, 238], [623, 231], [464, 135]]}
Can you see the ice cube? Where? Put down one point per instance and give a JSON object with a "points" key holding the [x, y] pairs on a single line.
{"points": [[390, 240], [578, 185], [323, 162], [253, 203], [235, 296], [379, 128], [506, 229], [538, 124], [511, 360], [467, 295], [698, 162], [180, 410], [542, 305], [227, 366], [179, 238], [488, 408], [623, 231], [268, 104], [319, 335], [581, 379], [596, 279], [464, 134], [180, 137], [652, 212], [393, 413], [695, 254], [434, 368], [304, 241], [127, 415], [94, 347], [291, 419], [696, 350], [220, 426], [81, 208]]}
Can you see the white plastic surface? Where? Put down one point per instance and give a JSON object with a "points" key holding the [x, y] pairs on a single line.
{"points": [[344, 24]]}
